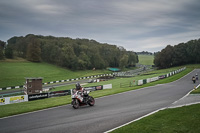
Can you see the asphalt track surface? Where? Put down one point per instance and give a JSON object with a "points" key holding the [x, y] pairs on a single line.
{"points": [[109, 112]]}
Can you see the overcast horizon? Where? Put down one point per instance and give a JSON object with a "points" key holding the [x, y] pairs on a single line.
{"points": [[145, 25]]}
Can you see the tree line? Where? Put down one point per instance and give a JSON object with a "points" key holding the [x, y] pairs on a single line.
{"points": [[181, 54], [145, 53], [76, 54]]}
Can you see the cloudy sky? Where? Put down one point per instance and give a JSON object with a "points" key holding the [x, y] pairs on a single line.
{"points": [[138, 25]]}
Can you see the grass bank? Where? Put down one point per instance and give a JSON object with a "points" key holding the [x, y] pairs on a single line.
{"points": [[179, 120], [14, 73]]}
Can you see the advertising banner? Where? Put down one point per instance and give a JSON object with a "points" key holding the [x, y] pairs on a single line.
{"points": [[100, 87], [14, 99], [37, 96], [2, 101], [148, 80], [108, 86], [92, 88], [60, 93], [162, 77], [140, 82], [154, 78], [17, 99]]}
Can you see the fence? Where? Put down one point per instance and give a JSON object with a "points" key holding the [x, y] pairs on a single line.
{"points": [[25, 98], [148, 80]]}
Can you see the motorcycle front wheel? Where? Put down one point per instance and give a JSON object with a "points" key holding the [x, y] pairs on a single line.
{"points": [[91, 101], [75, 104]]}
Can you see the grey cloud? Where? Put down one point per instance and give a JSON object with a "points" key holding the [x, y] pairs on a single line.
{"points": [[147, 25]]}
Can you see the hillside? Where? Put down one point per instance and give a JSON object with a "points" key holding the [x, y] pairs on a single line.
{"points": [[146, 59], [13, 73]]}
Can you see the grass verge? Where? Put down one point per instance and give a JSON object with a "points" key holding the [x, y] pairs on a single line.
{"points": [[178, 120], [196, 91]]}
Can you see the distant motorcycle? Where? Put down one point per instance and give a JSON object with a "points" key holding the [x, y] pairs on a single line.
{"points": [[79, 99], [193, 79]]}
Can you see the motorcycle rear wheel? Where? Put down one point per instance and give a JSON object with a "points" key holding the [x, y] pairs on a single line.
{"points": [[75, 104]]}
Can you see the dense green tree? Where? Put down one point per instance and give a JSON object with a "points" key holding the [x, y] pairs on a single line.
{"points": [[132, 59], [71, 53], [166, 57], [157, 59], [83, 61], [123, 61], [180, 55], [33, 50], [2, 46], [183, 53], [9, 52]]}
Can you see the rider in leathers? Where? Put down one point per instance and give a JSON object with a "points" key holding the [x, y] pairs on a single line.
{"points": [[82, 90]]}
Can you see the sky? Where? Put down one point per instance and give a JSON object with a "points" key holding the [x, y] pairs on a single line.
{"points": [[136, 25]]}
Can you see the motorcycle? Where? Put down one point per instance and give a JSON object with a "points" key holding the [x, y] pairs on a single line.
{"points": [[79, 100], [193, 79]]}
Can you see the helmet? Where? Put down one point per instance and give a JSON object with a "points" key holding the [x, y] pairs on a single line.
{"points": [[78, 86]]}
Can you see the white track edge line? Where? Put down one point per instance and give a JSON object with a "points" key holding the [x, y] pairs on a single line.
{"points": [[134, 120]]}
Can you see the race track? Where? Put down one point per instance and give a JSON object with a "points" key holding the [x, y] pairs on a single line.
{"points": [[108, 112]]}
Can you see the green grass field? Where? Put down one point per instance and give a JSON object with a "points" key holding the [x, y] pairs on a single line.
{"points": [[14, 73], [146, 59]]}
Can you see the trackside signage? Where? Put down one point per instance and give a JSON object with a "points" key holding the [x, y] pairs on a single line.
{"points": [[60, 93], [14, 99], [37, 96], [2, 101], [17, 99], [93, 88]]}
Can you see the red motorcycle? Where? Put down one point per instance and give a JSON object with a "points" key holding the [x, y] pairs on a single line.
{"points": [[81, 99]]}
